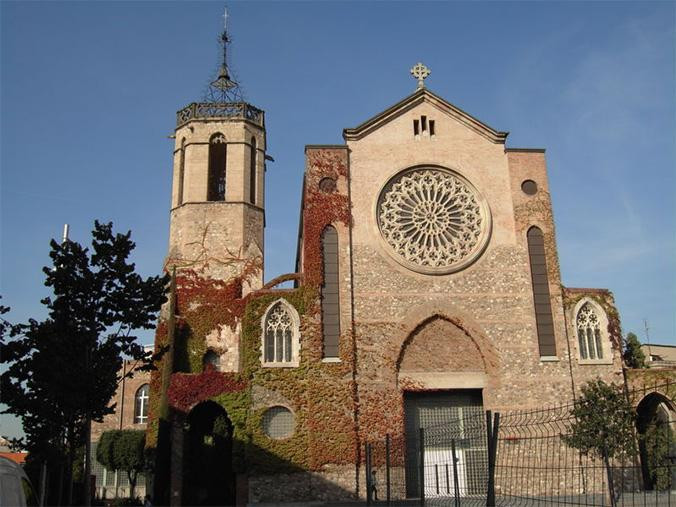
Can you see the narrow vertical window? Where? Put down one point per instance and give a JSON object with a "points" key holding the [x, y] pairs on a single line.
{"points": [[423, 123], [330, 294], [416, 127], [181, 172], [217, 164], [252, 172], [543, 306], [141, 404], [431, 127]]}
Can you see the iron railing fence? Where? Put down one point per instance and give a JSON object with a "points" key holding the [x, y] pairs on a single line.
{"points": [[524, 458]]}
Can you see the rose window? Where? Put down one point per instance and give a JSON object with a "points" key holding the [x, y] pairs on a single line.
{"points": [[433, 220]]}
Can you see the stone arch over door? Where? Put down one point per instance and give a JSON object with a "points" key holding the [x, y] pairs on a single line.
{"points": [[656, 425], [444, 348]]}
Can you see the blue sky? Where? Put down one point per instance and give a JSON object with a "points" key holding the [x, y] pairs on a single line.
{"points": [[89, 91]]}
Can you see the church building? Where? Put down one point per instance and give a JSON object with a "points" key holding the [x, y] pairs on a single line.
{"points": [[426, 287]]}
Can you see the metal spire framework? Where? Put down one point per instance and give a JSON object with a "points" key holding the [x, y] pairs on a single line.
{"points": [[223, 98], [224, 89]]}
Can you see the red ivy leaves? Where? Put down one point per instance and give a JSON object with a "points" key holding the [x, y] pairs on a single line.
{"points": [[322, 208], [185, 390]]}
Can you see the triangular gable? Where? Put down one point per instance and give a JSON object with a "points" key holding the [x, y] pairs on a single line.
{"points": [[419, 96]]}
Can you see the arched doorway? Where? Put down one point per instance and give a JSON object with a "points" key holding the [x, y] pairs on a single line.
{"points": [[442, 372], [208, 478], [655, 424]]}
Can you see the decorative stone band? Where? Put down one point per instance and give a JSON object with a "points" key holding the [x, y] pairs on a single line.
{"points": [[433, 220], [229, 110]]}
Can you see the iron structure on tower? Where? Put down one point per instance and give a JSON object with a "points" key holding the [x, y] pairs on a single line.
{"points": [[223, 97]]}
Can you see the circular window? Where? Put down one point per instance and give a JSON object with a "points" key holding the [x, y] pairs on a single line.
{"points": [[433, 220], [327, 185], [529, 187], [278, 422]]}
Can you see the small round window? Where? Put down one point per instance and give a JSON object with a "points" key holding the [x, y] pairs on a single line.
{"points": [[278, 422], [327, 185], [529, 187]]}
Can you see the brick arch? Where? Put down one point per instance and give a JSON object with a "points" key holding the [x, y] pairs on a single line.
{"points": [[465, 333]]}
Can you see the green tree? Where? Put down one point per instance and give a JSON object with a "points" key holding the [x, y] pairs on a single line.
{"points": [[603, 425], [633, 355], [123, 450], [63, 372], [657, 440]]}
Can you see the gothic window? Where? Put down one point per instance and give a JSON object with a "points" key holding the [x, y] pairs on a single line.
{"points": [[281, 335], [217, 164], [252, 172], [211, 360], [589, 333], [181, 172], [543, 305], [330, 294], [141, 404]]}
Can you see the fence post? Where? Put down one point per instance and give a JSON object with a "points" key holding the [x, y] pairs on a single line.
{"points": [[492, 428], [422, 466], [387, 468], [456, 486]]}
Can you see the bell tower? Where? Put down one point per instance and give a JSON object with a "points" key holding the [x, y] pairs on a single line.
{"points": [[217, 204]]}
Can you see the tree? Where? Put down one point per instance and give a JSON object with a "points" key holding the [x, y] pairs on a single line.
{"points": [[633, 355], [123, 450], [63, 372], [603, 425]]}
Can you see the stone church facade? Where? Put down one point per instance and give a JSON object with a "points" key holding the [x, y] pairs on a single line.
{"points": [[427, 278]]}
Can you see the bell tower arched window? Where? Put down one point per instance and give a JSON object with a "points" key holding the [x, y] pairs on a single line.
{"points": [[281, 335], [252, 172], [589, 333], [181, 172], [330, 293], [217, 165], [541, 297]]}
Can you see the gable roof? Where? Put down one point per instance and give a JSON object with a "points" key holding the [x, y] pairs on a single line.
{"points": [[419, 96]]}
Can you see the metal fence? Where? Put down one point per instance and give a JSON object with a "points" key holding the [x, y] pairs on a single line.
{"points": [[524, 458]]}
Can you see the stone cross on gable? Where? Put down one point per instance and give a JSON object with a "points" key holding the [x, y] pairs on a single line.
{"points": [[420, 72]]}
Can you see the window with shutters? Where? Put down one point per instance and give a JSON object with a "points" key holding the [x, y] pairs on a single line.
{"points": [[590, 323], [541, 296], [280, 342], [217, 163], [330, 294]]}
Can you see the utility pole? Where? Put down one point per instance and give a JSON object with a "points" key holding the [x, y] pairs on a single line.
{"points": [[647, 339]]}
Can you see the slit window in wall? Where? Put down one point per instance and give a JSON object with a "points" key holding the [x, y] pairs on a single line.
{"points": [[423, 123], [431, 127], [416, 127], [252, 172], [541, 296], [217, 166], [330, 293], [141, 404], [181, 172]]}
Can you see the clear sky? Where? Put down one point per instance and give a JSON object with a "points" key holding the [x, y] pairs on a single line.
{"points": [[89, 91]]}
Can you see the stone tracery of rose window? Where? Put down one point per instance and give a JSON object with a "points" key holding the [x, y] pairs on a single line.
{"points": [[589, 333], [433, 220]]}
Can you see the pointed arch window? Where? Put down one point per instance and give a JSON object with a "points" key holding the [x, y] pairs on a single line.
{"points": [[252, 172], [589, 333], [541, 296], [330, 293], [141, 404], [281, 336], [181, 172], [218, 150]]}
